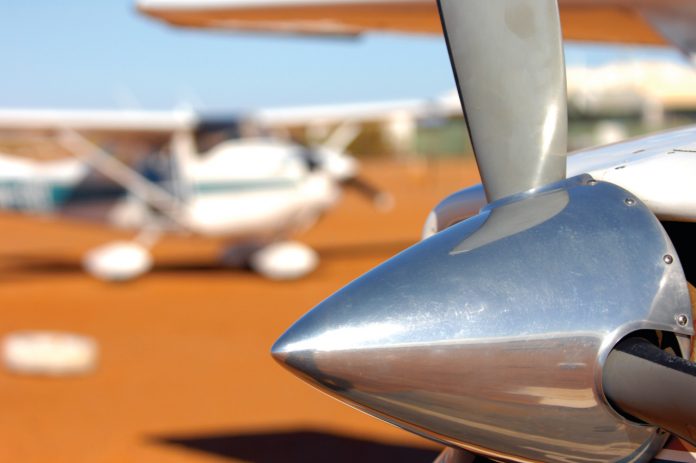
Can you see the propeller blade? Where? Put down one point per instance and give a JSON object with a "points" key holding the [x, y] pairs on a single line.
{"points": [[382, 200], [509, 67], [648, 383], [341, 138]]}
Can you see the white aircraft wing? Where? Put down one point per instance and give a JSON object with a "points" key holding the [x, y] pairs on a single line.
{"points": [[149, 124], [650, 22], [75, 130], [113, 121], [445, 106]]}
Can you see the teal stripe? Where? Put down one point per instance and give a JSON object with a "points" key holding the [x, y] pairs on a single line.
{"points": [[59, 194], [20, 195], [24, 196], [243, 186]]}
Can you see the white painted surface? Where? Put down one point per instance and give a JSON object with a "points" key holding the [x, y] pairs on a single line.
{"points": [[659, 169], [49, 353]]}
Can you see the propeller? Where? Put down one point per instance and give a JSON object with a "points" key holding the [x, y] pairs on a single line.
{"points": [[492, 336], [382, 200], [333, 158], [342, 136], [508, 63]]}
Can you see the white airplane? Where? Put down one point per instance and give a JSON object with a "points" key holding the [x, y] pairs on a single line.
{"points": [[177, 172], [546, 316]]}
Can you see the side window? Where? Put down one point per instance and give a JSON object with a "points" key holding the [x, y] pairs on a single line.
{"points": [[211, 133]]}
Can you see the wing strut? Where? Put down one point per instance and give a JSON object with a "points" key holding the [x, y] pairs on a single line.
{"points": [[148, 192]]}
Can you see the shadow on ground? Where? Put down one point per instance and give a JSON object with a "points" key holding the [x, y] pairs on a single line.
{"points": [[48, 265], [383, 249], [37, 265], [302, 446]]}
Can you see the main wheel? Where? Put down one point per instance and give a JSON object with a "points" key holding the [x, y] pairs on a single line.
{"points": [[287, 260], [119, 261]]}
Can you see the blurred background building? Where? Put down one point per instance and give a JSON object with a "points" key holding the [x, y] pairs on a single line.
{"points": [[607, 103]]}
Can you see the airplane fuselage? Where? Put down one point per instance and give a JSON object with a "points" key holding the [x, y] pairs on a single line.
{"points": [[239, 188]]}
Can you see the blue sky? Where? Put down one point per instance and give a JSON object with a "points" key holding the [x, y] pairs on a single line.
{"points": [[103, 54]]}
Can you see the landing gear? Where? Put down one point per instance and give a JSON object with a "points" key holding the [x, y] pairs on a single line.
{"points": [[284, 260], [118, 261], [287, 260], [238, 256], [127, 260]]}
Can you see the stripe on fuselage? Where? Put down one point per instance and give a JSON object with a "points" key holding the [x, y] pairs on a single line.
{"points": [[47, 197]]}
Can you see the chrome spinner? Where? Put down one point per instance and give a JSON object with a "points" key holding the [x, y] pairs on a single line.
{"points": [[491, 335]]}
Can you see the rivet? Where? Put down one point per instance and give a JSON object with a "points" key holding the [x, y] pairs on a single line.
{"points": [[668, 259], [682, 319], [630, 201]]}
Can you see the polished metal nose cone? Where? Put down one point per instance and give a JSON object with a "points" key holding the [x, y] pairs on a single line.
{"points": [[490, 334]]}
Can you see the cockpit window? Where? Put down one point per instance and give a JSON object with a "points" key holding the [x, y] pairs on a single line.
{"points": [[211, 133]]}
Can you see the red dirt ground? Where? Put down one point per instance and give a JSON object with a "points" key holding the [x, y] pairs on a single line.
{"points": [[185, 374]]}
